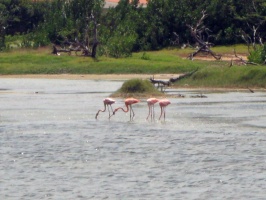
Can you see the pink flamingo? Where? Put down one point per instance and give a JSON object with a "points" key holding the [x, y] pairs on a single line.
{"points": [[107, 103], [163, 103], [128, 104], [151, 102]]}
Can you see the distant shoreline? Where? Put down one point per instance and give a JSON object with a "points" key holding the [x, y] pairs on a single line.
{"points": [[124, 77], [91, 76]]}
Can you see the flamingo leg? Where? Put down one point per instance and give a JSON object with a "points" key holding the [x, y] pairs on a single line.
{"points": [[111, 108], [130, 111], [108, 110], [162, 110], [153, 113], [164, 113], [149, 111], [133, 114]]}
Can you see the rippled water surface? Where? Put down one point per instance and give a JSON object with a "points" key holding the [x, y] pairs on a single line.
{"points": [[51, 146]]}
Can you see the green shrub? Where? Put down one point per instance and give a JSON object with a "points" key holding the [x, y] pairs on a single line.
{"points": [[138, 87], [145, 56], [121, 46], [258, 55]]}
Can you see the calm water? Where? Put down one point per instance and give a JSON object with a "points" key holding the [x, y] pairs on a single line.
{"points": [[51, 146]]}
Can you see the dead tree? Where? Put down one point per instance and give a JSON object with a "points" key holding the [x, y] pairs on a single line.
{"points": [[197, 33], [84, 47], [253, 39]]}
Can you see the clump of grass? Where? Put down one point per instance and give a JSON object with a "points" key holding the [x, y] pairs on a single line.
{"points": [[137, 87], [145, 56]]}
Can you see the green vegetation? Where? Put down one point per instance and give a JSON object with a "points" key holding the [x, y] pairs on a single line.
{"points": [[137, 87], [258, 55], [43, 62], [209, 74], [134, 39], [129, 27], [227, 77]]}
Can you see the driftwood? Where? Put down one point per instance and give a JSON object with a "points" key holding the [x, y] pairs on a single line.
{"points": [[172, 80], [198, 96], [57, 50], [162, 84]]}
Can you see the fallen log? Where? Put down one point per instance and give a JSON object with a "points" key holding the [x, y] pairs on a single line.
{"points": [[162, 83], [172, 80], [57, 51]]}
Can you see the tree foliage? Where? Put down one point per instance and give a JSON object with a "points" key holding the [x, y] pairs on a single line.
{"points": [[129, 27]]}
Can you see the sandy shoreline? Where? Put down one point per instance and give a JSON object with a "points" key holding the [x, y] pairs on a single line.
{"points": [[91, 76]]}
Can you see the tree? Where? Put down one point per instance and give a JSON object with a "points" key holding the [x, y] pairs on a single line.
{"points": [[121, 28], [252, 16], [74, 22], [4, 16]]}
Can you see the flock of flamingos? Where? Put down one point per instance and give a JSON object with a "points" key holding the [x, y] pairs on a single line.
{"points": [[130, 101]]}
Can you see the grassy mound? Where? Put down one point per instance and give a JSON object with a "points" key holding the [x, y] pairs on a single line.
{"points": [[137, 88]]}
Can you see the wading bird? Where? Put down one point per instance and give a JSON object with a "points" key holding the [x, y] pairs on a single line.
{"points": [[128, 104], [163, 103], [151, 102], [107, 103]]}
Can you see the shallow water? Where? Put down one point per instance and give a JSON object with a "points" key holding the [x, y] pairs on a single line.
{"points": [[51, 146]]}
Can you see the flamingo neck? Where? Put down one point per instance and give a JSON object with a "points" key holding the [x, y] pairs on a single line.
{"points": [[103, 109], [120, 108]]}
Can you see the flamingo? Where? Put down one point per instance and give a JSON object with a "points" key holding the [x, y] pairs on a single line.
{"points": [[128, 104], [163, 103], [107, 103], [151, 102]]}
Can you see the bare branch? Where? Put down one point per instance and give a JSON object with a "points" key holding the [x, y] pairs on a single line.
{"points": [[197, 33]]}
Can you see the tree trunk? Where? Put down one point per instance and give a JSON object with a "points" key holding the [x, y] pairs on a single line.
{"points": [[2, 38]]}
